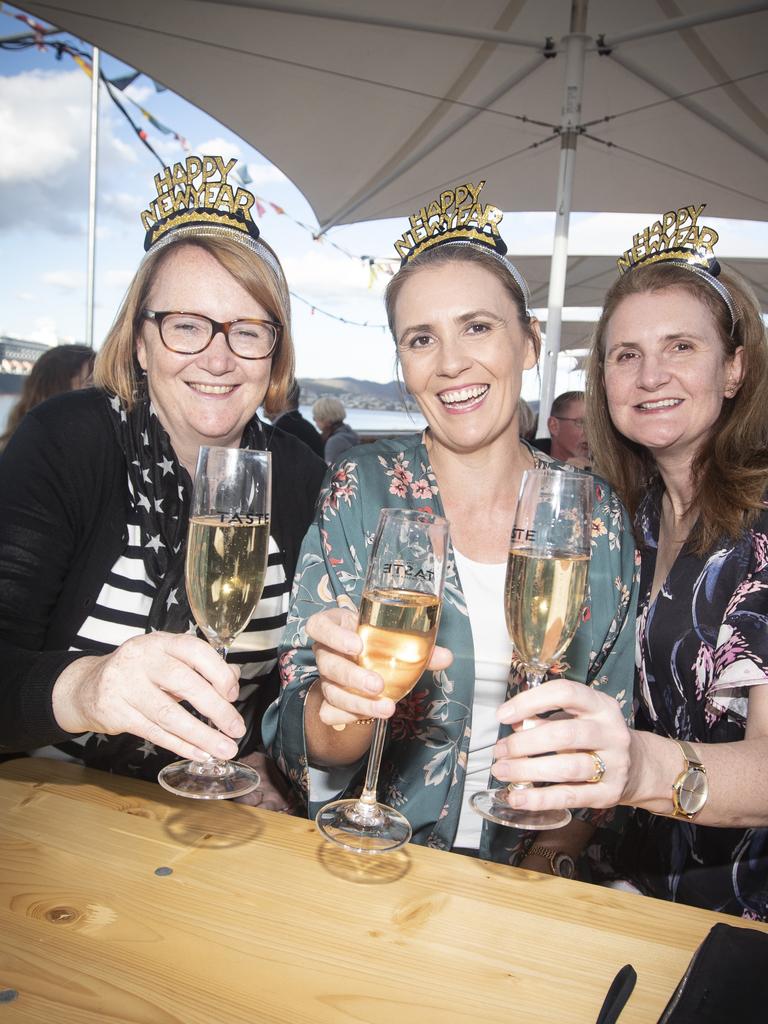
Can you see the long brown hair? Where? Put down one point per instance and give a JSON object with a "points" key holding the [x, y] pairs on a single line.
{"points": [[117, 369], [51, 375], [730, 472]]}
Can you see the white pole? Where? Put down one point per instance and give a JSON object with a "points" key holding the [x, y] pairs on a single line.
{"points": [[575, 45], [92, 197]]}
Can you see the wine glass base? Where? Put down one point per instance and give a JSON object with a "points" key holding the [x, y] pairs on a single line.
{"points": [[490, 803], [363, 828], [218, 780]]}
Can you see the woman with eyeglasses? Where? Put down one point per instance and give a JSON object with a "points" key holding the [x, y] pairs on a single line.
{"points": [[97, 641]]}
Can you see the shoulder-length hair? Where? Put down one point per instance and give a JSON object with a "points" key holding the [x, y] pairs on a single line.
{"points": [[730, 472], [117, 369], [52, 374]]}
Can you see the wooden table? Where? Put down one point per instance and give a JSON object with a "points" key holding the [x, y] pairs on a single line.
{"points": [[120, 902]]}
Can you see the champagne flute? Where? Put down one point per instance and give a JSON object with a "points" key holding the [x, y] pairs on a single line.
{"points": [[543, 596], [399, 617], [225, 568]]}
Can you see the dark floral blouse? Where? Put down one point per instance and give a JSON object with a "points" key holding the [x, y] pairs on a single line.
{"points": [[701, 643]]}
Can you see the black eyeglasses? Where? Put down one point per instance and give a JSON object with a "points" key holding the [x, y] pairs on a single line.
{"points": [[572, 419], [191, 333]]}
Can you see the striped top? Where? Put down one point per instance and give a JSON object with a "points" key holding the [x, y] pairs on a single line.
{"points": [[121, 612]]}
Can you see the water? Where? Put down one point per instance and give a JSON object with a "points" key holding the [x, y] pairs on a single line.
{"points": [[377, 420]]}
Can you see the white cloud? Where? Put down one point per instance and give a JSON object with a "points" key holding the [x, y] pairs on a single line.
{"points": [[67, 280], [264, 174], [219, 147], [44, 161], [121, 204], [139, 93], [125, 152], [44, 330], [42, 139], [118, 278], [324, 275]]}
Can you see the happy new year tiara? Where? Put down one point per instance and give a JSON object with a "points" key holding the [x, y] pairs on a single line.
{"points": [[677, 239], [195, 199], [457, 217]]}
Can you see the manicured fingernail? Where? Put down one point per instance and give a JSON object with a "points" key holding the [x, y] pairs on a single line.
{"points": [[339, 728], [234, 693], [225, 749], [373, 685], [236, 727]]}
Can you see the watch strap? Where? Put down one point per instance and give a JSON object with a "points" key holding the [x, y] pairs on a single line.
{"points": [[553, 856], [690, 755]]}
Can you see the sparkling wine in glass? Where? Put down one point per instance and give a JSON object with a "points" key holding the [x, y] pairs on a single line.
{"points": [[399, 618], [544, 592], [226, 563]]}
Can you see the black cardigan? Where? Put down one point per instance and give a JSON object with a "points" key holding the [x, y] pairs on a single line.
{"points": [[63, 506]]}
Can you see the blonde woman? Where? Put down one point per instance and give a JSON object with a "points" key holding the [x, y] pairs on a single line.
{"points": [[95, 636]]}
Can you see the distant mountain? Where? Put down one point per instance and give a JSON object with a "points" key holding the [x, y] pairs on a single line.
{"points": [[356, 394]]}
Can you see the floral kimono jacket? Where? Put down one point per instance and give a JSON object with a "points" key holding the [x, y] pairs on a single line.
{"points": [[430, 734]]}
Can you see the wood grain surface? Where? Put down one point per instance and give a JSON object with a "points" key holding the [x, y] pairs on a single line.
{"points": [[122, 903]]}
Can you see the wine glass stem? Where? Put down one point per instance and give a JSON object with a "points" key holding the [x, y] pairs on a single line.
{"points": [[212, 766], [368, 795], [533, 678]]}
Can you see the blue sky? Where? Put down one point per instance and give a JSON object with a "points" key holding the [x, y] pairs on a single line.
{"points": [[44, 140]]}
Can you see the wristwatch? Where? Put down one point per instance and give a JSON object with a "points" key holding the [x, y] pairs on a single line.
{"points": [[691, 787], [562, 864]]}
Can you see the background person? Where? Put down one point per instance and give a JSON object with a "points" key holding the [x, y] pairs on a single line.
{"points": [[96, 636], [464, 334], [291, 421], [567, 441], [677, 381], [337, 435], [64, 368]]}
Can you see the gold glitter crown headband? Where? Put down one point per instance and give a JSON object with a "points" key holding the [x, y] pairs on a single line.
{"points": [[678, 239], [457, 217], [195, 199]]}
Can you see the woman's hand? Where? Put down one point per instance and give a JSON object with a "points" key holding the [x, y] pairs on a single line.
{"points": [[350, 693], [596, 727], [274, 792], [138, 688]]}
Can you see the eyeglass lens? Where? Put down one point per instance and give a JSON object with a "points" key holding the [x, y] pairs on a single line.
{"points": [[188, 334]]}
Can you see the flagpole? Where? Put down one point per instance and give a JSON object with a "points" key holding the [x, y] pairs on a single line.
{"points": [[92, 197], [575, 44]]}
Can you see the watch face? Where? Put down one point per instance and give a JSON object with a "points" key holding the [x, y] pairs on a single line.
{"points": [[693, 791], [564, 865]]}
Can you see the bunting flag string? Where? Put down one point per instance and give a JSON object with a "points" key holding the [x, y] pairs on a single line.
{"points": [[120, 83], [351, 323]]}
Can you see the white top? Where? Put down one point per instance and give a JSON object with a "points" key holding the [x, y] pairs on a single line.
{"points": [[483, 588]]}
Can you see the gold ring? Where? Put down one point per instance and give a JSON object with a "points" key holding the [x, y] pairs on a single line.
{"points": [[599, 767]]}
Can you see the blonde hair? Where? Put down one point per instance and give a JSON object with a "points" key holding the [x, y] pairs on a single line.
{"points": [[117, 369], [329, 410], [730, 471]]}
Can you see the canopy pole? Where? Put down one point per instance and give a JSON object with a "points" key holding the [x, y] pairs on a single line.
{"points": [[89, 302], [575, 45]]}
